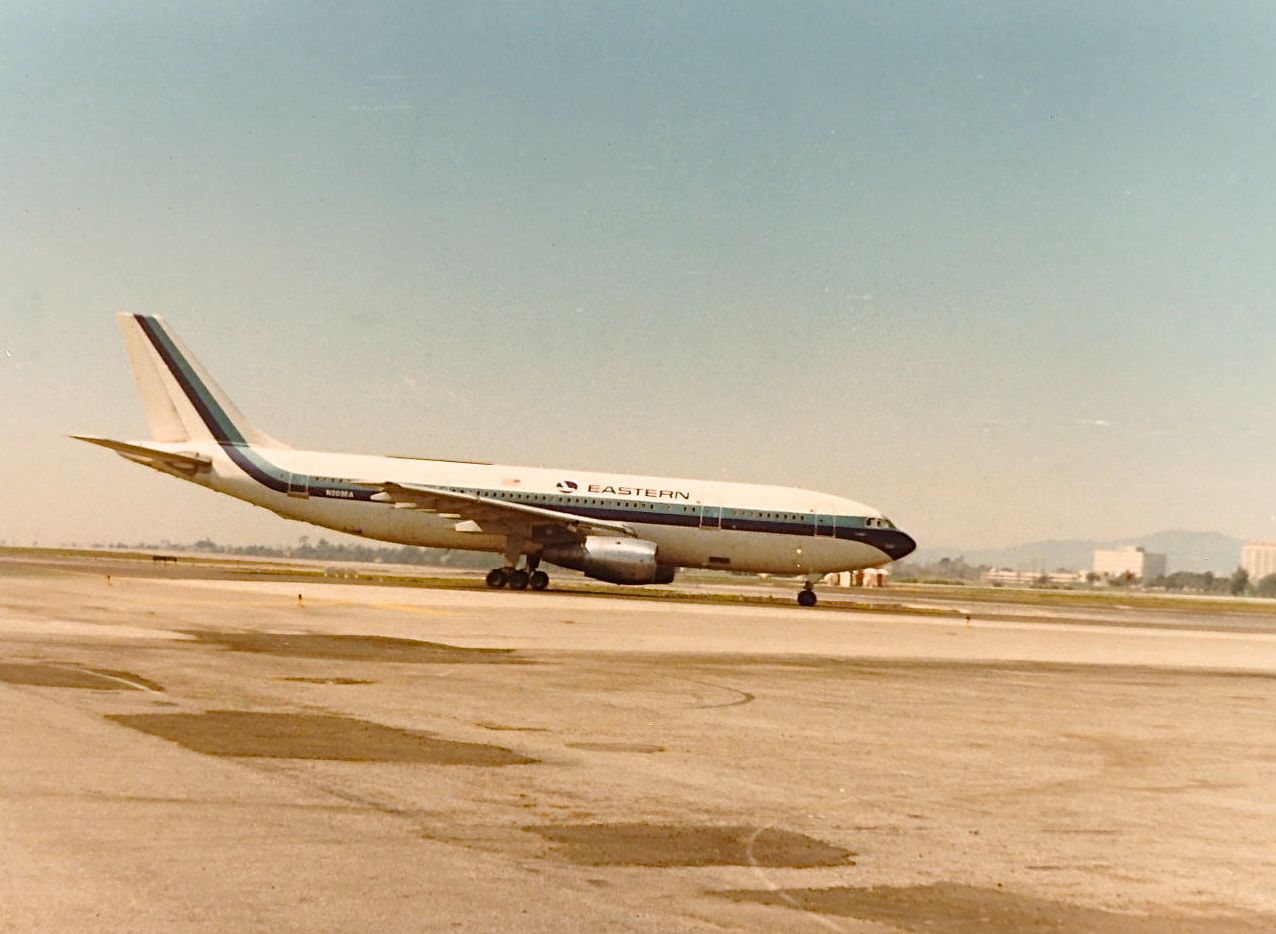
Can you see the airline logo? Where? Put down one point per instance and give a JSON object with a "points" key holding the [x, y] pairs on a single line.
{"points": [[638, 491], [607, 489]]}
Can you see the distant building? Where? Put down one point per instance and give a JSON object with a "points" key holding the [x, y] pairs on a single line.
{"points": [[869, 577], [1131, 562], [1005, 576], [1259, 559]]}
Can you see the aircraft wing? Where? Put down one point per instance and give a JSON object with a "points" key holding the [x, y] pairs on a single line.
{"points": [[186, 463], [496, 515]]}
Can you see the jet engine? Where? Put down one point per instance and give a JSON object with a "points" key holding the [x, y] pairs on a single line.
{"points": [[614, 560]]}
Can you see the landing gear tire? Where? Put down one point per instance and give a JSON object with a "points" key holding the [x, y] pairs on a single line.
{"points": [[518, 580], [498, 577], [539, 580], [806, 598]]}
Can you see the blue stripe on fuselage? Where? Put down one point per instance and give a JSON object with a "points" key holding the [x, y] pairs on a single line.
{"points": [[212, 414], [224, 430]]}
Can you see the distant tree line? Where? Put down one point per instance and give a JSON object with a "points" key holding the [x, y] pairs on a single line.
{"points": [[324, 550], [1237, 584], [944, 571]]}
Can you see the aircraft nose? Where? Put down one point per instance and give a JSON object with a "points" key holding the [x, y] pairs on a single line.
{"points": [[898, 545]]}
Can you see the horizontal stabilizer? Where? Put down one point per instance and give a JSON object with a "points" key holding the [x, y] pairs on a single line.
{"points": [[187, 462]]}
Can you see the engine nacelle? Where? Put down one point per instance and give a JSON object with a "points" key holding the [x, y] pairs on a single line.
{"points": [[614, 560]]}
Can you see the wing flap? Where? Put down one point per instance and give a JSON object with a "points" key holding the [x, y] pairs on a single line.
{"points": [[492, 514]]}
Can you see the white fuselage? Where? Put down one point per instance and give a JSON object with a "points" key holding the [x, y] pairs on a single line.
{"points": [[615, 527], [694, 523]]}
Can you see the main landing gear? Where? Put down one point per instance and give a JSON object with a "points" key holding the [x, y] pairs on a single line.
{"points": [[516, 579], [806, 596]]}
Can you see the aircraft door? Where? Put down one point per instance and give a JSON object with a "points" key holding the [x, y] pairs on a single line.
{"points": [[710, 517], [825, 526], [298, 485]]}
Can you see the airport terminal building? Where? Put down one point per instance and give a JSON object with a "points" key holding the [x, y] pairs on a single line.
{"points": [[1259, 559], [1135, 562]]}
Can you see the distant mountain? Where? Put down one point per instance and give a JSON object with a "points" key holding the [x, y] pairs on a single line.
{"points": [[1184, 551]]}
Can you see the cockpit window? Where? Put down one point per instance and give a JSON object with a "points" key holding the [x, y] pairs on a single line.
{"points": [[878, 522]]}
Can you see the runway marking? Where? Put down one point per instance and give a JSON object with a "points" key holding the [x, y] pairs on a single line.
{"points": [[766, 880], [136, 682], [744, 698], [40, 675]]}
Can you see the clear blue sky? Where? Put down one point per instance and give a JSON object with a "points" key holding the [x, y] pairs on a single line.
{"points": [[1005, 270]]}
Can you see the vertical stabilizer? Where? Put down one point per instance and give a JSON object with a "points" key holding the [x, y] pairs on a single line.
{"points": [[182, 402]]}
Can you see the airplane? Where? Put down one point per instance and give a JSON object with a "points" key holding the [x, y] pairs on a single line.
{"points": [[613, 527]]}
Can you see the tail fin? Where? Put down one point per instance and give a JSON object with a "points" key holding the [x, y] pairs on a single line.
{"points": [[182, 402]]}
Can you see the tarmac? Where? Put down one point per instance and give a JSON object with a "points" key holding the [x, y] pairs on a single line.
{"points": [[194, 754]]}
